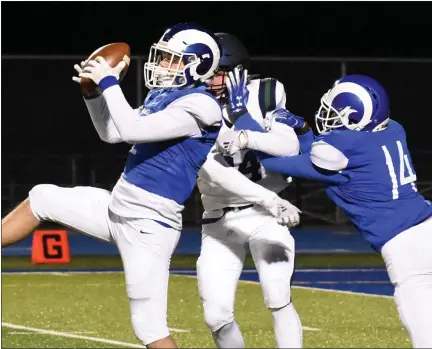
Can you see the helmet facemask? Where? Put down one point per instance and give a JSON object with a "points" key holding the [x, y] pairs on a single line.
{"points": [[172, 74], [219, 90], [328, 117]]}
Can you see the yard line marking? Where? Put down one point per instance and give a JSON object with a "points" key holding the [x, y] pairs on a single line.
{"points": [[33, 333], [66, 334], [71, 335], [307, 328], [179, 330], [82, 332]]}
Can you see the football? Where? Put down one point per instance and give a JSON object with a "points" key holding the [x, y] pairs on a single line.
{"points": [[113, 53]]}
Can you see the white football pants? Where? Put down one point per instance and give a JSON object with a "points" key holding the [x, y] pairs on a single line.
{"points": [[145, 248], [408, 258], [223, 250]]}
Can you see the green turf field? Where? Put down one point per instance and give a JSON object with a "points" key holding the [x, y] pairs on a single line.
{"points": [[91, 310]]}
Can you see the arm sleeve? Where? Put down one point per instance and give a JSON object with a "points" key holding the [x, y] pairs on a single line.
{"points": [[281, 140], [246, 122], [182, 118], [102, 121], [216, 170], [306, 141], [300, 166]]}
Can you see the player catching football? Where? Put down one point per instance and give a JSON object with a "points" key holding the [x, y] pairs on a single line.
{"points": [[171, 134]]}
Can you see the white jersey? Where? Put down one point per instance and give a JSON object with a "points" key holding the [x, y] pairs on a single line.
{"points": [[214, 174]]}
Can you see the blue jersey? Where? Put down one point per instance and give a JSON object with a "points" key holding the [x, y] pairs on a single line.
{"points": [[376, 188], [169, 168], [380, 196]]}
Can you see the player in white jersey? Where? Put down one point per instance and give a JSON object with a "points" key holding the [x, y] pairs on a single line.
{"points": [[231, 188], [171, 134]]}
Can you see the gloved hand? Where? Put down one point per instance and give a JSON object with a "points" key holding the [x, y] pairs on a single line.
{"points": [[284, 116], [238, 94], [286, 213], [230, 142], [98, 69]]}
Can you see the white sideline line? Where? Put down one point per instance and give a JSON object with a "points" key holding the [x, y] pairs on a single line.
{"points": [[71, 335], [308, 288], [60, 273], [181, 273], [254, 271], [247, 271], [296, 283], [345, 292]]}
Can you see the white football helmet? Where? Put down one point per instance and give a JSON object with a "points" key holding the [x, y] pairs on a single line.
{"points": [[185, 55]]}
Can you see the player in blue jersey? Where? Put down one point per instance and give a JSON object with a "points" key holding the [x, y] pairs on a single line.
{"points": [[362, 156], [172, 133]]}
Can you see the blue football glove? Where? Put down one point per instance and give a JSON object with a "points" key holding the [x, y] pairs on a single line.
{"points": [[286, 117], [238, 94]]}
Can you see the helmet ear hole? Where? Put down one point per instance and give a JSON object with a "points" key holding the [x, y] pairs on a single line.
{"points": [[201, 68]]}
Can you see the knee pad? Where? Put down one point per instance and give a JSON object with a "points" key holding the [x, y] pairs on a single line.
{"points": [[41, 198], [149, 321], [277, 293], [216, 316]]}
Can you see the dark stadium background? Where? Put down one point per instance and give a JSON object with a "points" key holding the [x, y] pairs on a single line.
{"points": [[47, 135]]}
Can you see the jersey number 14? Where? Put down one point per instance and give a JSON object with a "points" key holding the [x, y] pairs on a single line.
{"points": [[403, 161]]}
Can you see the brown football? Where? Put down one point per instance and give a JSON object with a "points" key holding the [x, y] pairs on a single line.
{"points": [[113, 53]]}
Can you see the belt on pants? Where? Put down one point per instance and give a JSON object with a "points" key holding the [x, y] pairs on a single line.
{"points": [[225, 210]]}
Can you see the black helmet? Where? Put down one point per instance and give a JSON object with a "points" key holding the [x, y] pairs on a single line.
{"points": [[233, 52]]}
